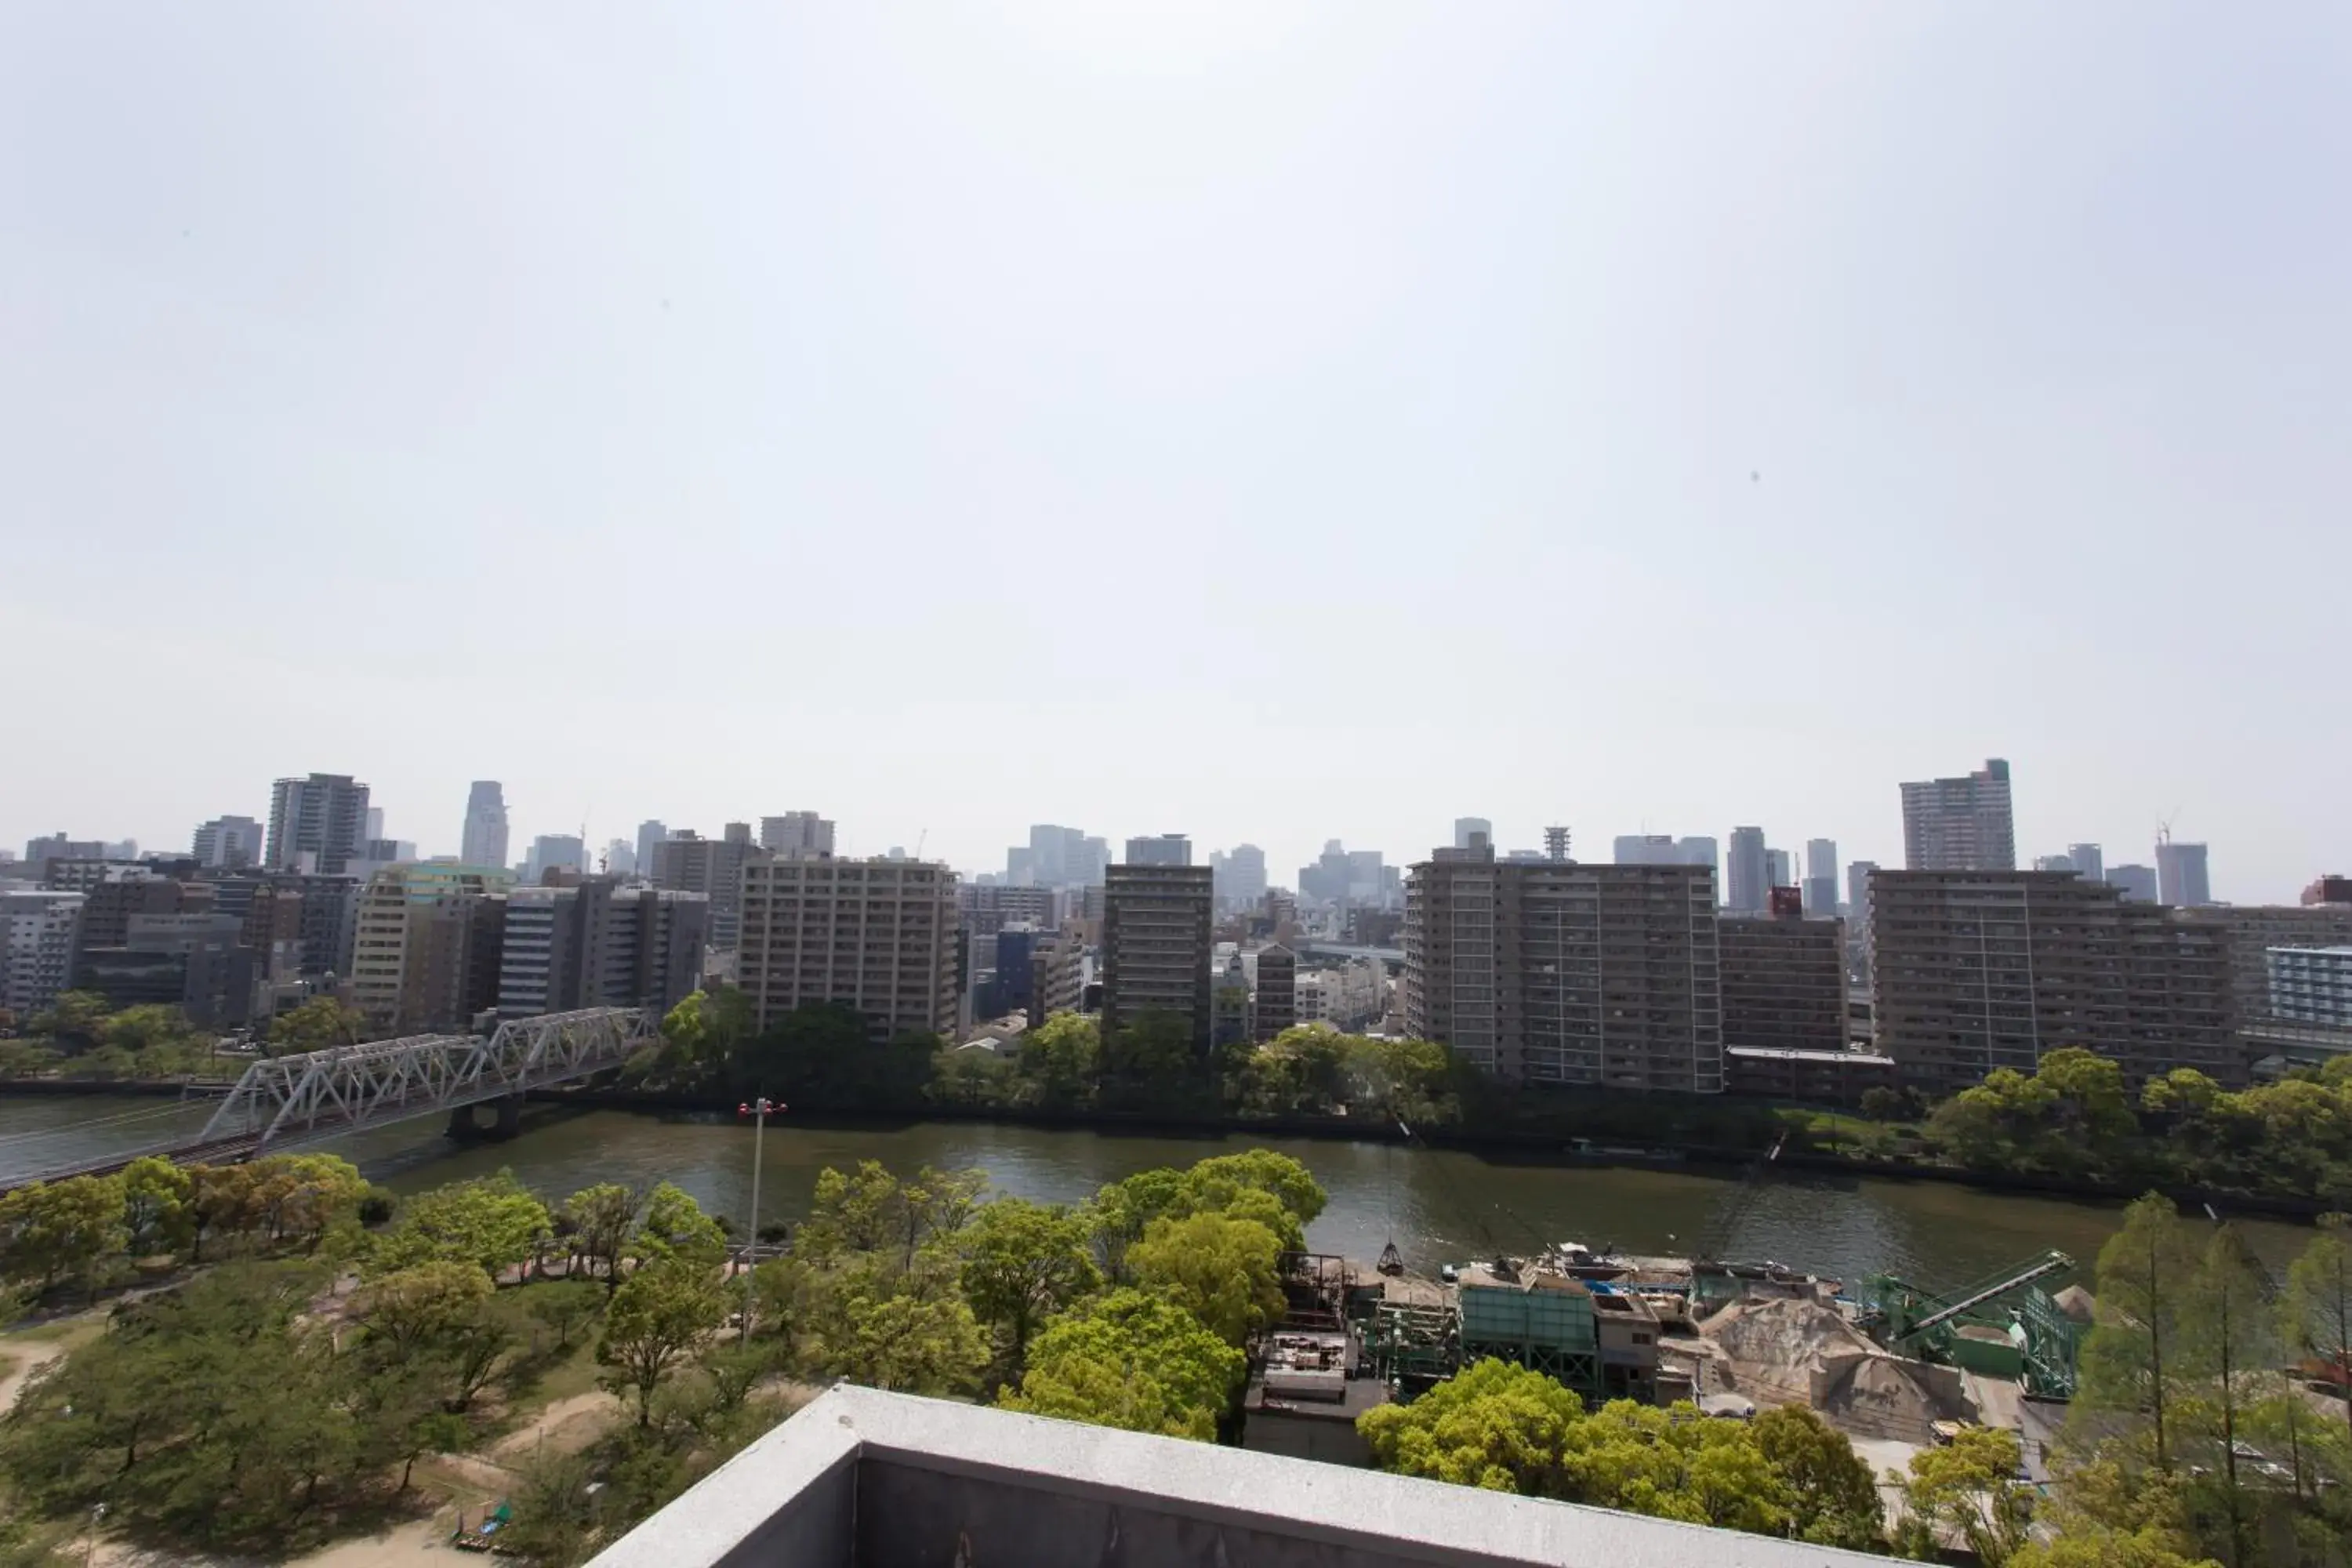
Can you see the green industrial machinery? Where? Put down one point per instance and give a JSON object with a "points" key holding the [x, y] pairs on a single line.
{"points": [[2006, 1325], [1413, 1348]]}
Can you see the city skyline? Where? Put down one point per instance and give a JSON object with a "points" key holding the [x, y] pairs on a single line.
{"points": [[2018, 298]]}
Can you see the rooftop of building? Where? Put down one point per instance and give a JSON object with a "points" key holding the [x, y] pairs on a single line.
{"points": [[860, 1478]]}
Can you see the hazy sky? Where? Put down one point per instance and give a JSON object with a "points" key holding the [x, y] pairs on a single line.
{"points": [[1270, 423]]}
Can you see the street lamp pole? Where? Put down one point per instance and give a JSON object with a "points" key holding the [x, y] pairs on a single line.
{"points": [[758, 1109]]}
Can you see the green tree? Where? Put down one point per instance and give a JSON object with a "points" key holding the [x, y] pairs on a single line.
{"points": [[413, 1308], [662, 1311], [1831, 1494], [1024, 1262], [1495, 1426], [2230, 1342], [1221, 1270], [872, 1211], [1153, 1051], [317, 1024], [147, 1027], [158, 1207], [676, 1226], [495, 1222], [53, 1232], [2316, 1308], [1062, 1057], [2132, 1362], [562, 1306], [1968, 1492], [917, 1341], [599, 1220], [74, 1022], [1131, 1359]]}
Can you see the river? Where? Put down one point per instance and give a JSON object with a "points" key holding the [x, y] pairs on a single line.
{"points": [[1439, 1206]]}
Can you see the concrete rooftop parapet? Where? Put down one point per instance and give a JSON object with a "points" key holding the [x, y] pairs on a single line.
{"points": [[860, 1478]]}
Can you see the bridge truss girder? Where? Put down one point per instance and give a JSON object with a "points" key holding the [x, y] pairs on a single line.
{"points": [[350, 1087]]}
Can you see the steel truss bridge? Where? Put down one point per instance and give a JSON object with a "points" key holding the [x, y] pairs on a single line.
{"points": [[286, 1101]]}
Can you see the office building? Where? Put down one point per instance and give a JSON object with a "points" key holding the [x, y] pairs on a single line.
{"points": [[1059, 856], [650, 834], [297, 923], [1822, 879], [2312, 986], [483, 841], [39, 852], [1239, 876], [1229, 1002], [796, 833], [2137, 883], [1750, 873], [1960, 825], [426, 948], [38, 935], [986, 908], [2181, 879], [1274, 1005], [2254, 930], [686, 862], [1783, 979], [2054, 863], [2090, 862], [1160, 849], [1156, 919], [197, 962], [2328, 890], [1468, 828], [620, 859], [554, 852], [1857, 888], [1779, 869], [317, 824], [600, 943], [1347, 996], [125, 892], [1552, 973], [228, 843], [1977, 969], [878, 935]]}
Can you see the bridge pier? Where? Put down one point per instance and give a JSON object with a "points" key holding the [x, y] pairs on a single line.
{"points": [[506, 1121]]}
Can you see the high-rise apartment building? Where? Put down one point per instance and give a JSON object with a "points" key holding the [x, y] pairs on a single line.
{"points": [[600, 943], [1750, 873], [1857, 888], [1822, 879], [1978, 970], [1466, 827], [1551, 971], [426, 948], [796, 833], [686, 862], [1156, 946], [2254, 930], [2137, 883], [1784, 985], [1274, 1006], [38, 933], [2312, 987], [228, 843], [2181, 879], [317, 824], [1160, 849], [484, 840], [1960, 825], [2089, 860], [876, 935]]}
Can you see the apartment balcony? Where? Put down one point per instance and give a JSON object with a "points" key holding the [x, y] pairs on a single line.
{"points": [[865, 1479]]}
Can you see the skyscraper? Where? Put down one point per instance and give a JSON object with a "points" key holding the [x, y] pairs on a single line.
{"points": [[620, 857], [2090, 862], [1750, 875], [1779, 869], [2181, 879], [484, 841], [649, 833], [1821, 879], [1240, 874], [323, 816], [1463, 826], [1857, 889], [2137, 883], [550, 852], [1160, 849], [1960, 825], [228, 844]]}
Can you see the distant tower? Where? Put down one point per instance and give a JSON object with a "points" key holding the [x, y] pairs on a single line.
{"points": [[1464, 827], [1555, 842], [484, 842]]}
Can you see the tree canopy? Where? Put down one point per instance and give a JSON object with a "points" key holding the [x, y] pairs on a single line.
{"points": [[1131, 1359]]}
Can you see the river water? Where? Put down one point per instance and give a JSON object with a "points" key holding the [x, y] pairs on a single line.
{"points": [[1439, 1206]]}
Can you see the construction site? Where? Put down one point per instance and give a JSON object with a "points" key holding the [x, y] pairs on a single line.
{"points": [[1894, 1363]]}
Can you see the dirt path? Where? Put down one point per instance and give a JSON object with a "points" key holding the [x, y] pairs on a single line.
{"points": [[29, 1356], [565, 1426]]}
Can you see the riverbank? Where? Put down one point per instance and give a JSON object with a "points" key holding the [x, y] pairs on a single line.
{"points": [[1495, 1145]]}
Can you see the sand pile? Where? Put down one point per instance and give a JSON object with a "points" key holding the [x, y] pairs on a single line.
{"points": [[1882, 1394], [1784, 1341]]}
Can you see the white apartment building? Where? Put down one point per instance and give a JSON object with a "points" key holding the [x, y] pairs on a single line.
{"points": [[876, 935], [2312, 986], [37, 929]]}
